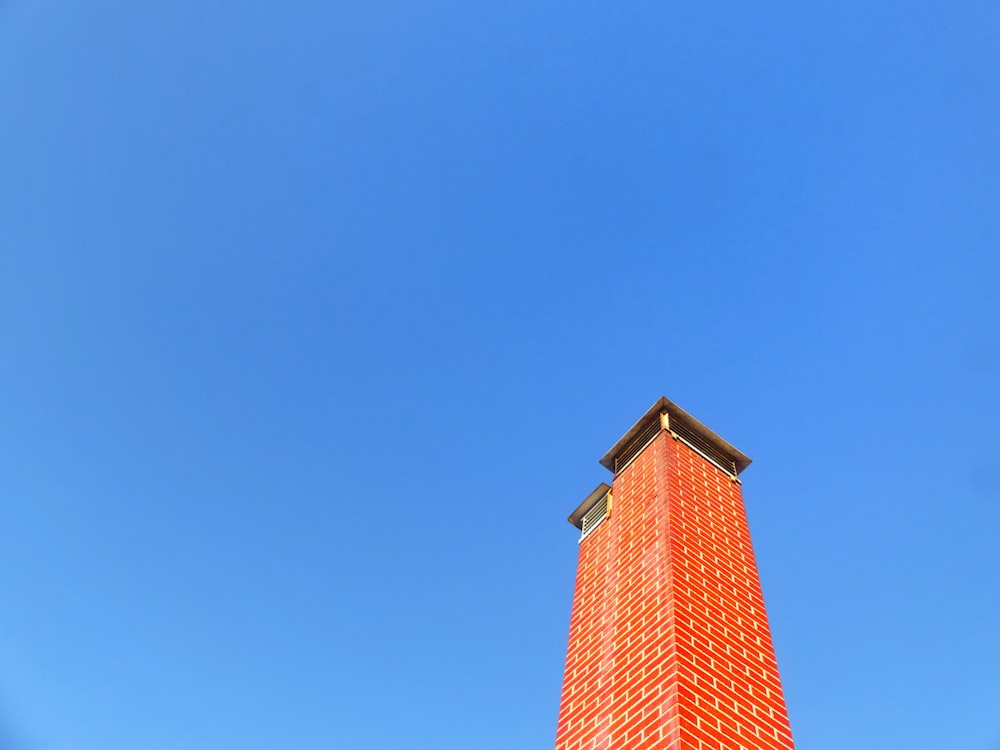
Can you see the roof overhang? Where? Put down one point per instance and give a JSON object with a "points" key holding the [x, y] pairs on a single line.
{"points": [[676, 413]]}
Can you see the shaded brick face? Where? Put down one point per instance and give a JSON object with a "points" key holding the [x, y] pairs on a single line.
{"points": [[669, 646]]}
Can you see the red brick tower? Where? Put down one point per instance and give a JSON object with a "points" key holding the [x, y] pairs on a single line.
{"points": [[669, 647]]}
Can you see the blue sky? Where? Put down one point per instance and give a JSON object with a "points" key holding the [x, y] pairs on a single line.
{"points": [[316, 318]]}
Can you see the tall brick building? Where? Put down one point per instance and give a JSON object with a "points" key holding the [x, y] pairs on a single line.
{"points": [[669, 646]]}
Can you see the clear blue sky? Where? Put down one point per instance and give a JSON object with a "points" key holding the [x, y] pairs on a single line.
{"points": [[316, 318]]}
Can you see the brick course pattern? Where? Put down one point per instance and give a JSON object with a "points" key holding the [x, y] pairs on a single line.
{"points": [[669, 646]]}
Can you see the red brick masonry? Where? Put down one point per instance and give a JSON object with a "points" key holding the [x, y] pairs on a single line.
{"points": [[669, 646]]}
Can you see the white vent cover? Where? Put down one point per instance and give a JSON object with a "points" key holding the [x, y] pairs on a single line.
{"points": [[593, 517], [634, 448], [704, 447]]}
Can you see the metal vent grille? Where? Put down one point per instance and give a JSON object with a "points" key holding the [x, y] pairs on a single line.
{"points": [[703, 447], [593, 517], [635, 447]]}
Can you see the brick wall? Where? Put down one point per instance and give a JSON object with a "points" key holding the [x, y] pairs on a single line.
{"points": [[669, 646]]}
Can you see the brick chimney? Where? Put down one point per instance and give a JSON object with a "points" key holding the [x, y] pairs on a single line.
{"points": [[669, 646]]}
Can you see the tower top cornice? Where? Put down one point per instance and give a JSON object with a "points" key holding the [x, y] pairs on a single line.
{"points": [[682, 421]]}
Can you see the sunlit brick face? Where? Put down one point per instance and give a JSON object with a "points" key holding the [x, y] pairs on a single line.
{"points": [[669, 646]]}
